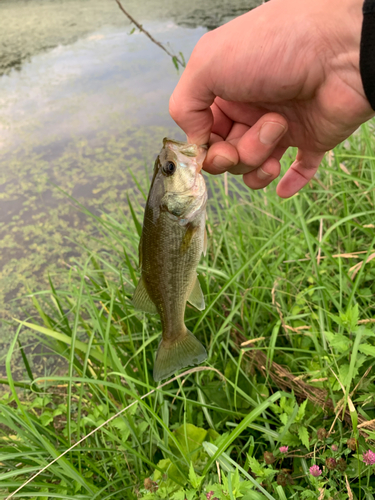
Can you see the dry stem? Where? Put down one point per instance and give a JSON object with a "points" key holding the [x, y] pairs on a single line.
{"points": [[141, 28], [286, 381]]}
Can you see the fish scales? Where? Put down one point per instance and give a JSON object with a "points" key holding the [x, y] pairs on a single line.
{"points": [[173, 238], [175, 268]]}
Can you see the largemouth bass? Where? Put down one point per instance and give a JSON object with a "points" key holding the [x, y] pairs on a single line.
{"points": [[173, 239]]}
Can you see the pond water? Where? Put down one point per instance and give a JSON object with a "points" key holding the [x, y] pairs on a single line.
{"points": [[82, 102]]}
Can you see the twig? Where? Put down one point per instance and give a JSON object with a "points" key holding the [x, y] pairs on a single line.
{"points": [[348, 489], [251, 341], [330, 158], [285, 380], [218, 471], [141, 28], [354, 270], [352, 255], [370, 423]]}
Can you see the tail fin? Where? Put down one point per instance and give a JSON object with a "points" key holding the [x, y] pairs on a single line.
{"points": [[185, 351]]}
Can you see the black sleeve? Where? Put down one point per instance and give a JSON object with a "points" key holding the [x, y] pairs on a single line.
{"points": [[367, 51]]}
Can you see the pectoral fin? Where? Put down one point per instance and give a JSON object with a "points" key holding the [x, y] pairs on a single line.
{"points": [[196, 297], [189, 233], [141, 300]]}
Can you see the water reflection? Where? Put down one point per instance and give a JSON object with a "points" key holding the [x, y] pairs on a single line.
{"points": [[29, 27], [91, 84]]}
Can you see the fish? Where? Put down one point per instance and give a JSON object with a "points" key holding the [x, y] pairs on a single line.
{"points": [[172, 241]]}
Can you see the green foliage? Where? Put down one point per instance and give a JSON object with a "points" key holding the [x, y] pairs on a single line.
{"points": [[194, 479], [309, 335], [261, 471], [308, 494]]}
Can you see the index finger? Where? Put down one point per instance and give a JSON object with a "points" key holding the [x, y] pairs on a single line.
{"points": [[189, 105]]}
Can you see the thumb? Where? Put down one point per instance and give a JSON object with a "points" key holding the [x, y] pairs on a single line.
{"points": [[189, 105], [192, 115], [299, 173]]}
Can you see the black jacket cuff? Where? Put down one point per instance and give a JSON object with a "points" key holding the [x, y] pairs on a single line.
{"points": [[367, 51]]}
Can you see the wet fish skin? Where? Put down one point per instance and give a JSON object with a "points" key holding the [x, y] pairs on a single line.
{"points": [[173, 239]]}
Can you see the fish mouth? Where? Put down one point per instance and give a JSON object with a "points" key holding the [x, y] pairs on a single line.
{"points": [[177, 143], [182, 144], [189, 150]]}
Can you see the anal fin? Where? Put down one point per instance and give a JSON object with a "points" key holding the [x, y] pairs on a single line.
{"points": [[141, 299], [196, 297]]}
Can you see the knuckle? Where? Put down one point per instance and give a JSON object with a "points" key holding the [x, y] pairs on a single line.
{"points": [[251, 157], [202, 52], [204, 44]]}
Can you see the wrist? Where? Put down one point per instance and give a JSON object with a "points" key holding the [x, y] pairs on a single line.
{"points": [[345, 23]]}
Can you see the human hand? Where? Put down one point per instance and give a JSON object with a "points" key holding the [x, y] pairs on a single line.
{"points": [[284, 74]]}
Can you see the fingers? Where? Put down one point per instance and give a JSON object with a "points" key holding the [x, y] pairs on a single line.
{"points": [[221, 156], [258, 144], [264, 175], [300, 172], [246, 148]]}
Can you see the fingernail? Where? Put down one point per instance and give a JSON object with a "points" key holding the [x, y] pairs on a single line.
{"points": [[262, 174], [270, 132], [222, 162]]}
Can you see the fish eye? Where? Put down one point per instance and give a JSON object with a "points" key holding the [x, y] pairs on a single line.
{"points": [[169, 168]]}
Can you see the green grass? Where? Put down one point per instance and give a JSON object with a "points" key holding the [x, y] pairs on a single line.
{"points": [[277, 272]]}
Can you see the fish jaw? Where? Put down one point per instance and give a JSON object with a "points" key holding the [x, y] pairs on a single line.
{"points": [[183, 192], [184, 150]]}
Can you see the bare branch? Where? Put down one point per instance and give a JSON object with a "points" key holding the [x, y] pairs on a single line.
{"points": [[175, 59]]}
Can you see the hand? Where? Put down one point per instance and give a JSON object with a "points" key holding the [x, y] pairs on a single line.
{"points": [[284, 74]]}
